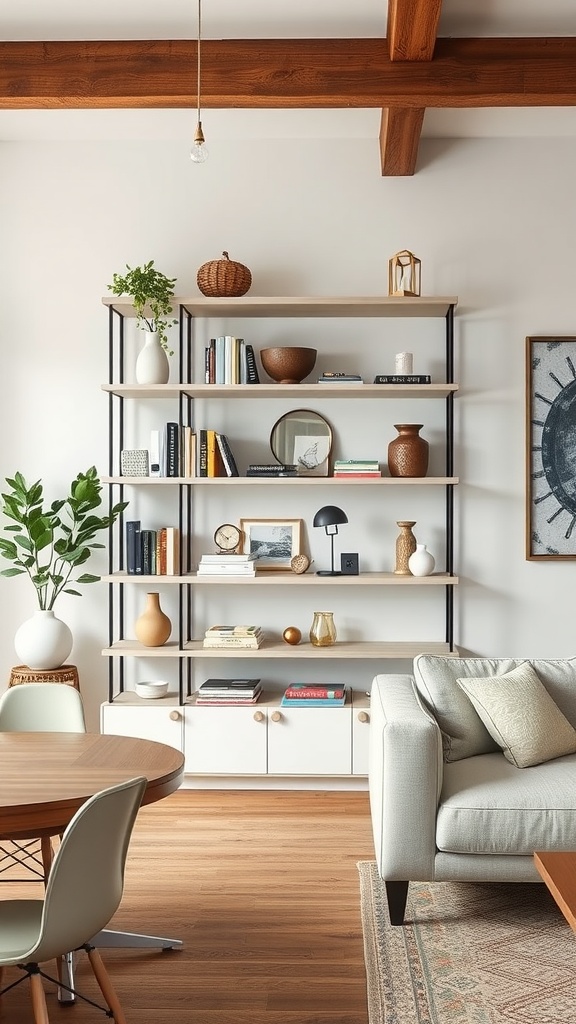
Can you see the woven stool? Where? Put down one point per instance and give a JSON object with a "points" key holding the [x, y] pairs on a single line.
{"points": [[67, 674]]}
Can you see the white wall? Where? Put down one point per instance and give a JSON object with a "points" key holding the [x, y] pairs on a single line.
{"points": [[492, 221]]}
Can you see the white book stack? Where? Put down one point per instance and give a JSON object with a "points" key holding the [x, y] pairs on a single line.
{"points": [[227, 565]]}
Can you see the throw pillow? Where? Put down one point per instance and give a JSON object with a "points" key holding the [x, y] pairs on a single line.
{"points": [[521, 716]]}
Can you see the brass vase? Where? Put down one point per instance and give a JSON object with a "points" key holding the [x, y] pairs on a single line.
{"points": [[405, 546], [323, 630], [408, 453], [152, 627]]}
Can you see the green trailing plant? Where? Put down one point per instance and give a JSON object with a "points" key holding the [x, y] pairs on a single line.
{"points": [[151, 294], [50, 544]]}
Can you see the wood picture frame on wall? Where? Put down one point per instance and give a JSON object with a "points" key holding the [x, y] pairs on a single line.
{"points": [[550, 448]]}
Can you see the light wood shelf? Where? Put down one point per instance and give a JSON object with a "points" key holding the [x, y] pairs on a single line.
{"points": [[301, 306], [287, 481], [275, 391], [276, 649], [290, 579]]}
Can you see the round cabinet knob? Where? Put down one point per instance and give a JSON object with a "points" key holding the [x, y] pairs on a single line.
{"points": [[174, 716], [276, 716], [363, 716], [258, 716]]}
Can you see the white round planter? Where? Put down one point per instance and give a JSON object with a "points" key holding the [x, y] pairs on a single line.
{"points": [[152, 366], [421, 562], [43, 641]]}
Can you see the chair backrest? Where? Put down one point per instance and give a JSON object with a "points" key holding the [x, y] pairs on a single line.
{"points": [[42, 707], [87, 877]]}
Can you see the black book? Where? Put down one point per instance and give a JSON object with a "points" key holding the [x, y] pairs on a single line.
{"points": [[133, 548], [403, 378], [172, 449], [202, 453], [227, 455], [251, 368], [148, 538]]}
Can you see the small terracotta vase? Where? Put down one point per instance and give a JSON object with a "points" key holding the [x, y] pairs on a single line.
{"points": [[323, 630], [405, 547], [153, 627], [408, 453]]}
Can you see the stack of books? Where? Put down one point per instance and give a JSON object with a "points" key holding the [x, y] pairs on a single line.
{"points": [[314, 695], [221, 564], [274, 469], [239, 637], [340, 378], [344, 468], [229, 691], [402, 378]]}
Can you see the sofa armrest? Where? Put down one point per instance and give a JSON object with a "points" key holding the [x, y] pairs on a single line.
{"points": [[405, 779]]}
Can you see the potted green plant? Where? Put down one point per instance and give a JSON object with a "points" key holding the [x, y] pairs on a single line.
{"points": [[50, 545], [151, 293]]}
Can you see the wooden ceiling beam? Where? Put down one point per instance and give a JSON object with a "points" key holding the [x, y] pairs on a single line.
{"points": [[412, 30], [287, 73]]}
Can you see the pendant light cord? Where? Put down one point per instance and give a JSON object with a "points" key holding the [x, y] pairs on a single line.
{"points": [[198, 62]]}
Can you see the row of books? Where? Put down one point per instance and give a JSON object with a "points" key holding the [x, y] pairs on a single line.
{"points": [[319, 695], [199, 453], [152, 552], [229, 360], [240, 637], [221, 564], [228, 691], [344, 468]]}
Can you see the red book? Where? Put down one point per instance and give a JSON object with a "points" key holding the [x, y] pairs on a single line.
{"points": [[301, 692]]}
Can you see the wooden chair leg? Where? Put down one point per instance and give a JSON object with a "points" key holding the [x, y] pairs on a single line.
{"points": [[106, 987], [397, 893], [47, 856], [39, 1008]]}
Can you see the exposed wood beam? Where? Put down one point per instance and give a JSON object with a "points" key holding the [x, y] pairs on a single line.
{"points": [[412, 30], [281, 73]]}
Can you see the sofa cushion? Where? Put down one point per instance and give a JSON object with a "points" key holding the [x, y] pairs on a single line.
{"points": [[521, 716], [463, 732], [487, 806]]}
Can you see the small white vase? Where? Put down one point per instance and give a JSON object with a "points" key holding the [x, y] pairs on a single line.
{"points": [[152, 366], [43, 641], [421, 562]]}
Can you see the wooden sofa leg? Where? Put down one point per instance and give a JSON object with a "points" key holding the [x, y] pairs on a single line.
{"points": [[396, 894]]}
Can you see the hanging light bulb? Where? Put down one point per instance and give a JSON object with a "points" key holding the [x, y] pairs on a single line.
{"points": [[199, 153]]}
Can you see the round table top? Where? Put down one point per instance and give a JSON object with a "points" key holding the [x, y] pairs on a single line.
{"points": [[45, 776]]}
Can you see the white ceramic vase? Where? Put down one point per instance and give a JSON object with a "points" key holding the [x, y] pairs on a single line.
{"points": [[152, 366], [421, 561], [43, 641]]}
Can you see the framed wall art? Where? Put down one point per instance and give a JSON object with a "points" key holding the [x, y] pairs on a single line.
{"points": [[275, 542], [550, 448]]}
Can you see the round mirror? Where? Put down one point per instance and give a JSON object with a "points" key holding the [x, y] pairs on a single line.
{"points": [[302, 438]]}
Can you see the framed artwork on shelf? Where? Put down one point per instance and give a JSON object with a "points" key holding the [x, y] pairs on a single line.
{"points": [[550, 448], [275, 542]]}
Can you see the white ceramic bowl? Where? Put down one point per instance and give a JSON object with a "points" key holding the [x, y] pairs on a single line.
{"points": [[158, 688]]}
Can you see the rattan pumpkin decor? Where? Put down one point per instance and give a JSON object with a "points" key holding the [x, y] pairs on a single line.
{"points": [[224, 278]]}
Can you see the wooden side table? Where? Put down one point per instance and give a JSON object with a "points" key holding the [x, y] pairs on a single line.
{"points": [[67, 674]]}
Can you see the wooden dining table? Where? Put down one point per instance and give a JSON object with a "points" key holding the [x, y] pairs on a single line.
{"points": [[46, 776]]}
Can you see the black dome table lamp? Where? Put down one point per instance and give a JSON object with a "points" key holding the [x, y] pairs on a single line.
{"points": [[330, 517]]}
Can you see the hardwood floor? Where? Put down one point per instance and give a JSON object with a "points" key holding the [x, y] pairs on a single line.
{"points": [[263, 889]]}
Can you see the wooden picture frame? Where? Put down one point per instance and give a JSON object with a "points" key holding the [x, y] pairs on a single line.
{"points": [[274, 541], [550, 448]]}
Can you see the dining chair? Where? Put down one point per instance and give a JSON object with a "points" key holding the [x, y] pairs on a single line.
{"points": [[83, 891], [37, 707]]}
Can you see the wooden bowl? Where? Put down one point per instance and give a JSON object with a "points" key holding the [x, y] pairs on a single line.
{"points": [[288, 365]]}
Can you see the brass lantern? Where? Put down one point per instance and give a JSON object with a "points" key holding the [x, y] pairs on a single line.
{"points": [[404, 274]]}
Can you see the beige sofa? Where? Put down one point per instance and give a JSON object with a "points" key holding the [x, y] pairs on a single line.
{"points": [[446, 803]]}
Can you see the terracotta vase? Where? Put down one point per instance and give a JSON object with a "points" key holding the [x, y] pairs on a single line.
{"points": [[153, 627], [323, 630], [408, 453], [405, 547]]}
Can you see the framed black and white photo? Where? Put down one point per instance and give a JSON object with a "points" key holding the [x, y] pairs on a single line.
{"points": [[550, 448], [275, 542]]}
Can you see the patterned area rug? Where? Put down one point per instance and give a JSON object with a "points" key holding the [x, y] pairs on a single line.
{"points": [[471, 953]]}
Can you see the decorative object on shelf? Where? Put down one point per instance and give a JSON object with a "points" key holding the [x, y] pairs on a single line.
{"points": [[198, 153], [421, 561], [43, 641], [152, 365], [134, 462], [404, 364], [404, 274], [405, 547], [299, 564], [349, 565], [550, 441], [152, 627], [151, 690], [48, 545], [288, 364], [408, 453], [223, 278], [302, 438], [330, 517], [323, 630], [292, 635], [227, 537], [275, 542], [152, 293]]}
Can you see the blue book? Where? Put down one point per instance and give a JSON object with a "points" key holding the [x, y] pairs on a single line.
{"points": [[330, 702]]}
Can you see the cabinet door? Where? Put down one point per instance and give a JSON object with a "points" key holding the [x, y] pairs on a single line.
{"points": [[225, 741], [310, 741], [360, 738], [145, 723]]}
